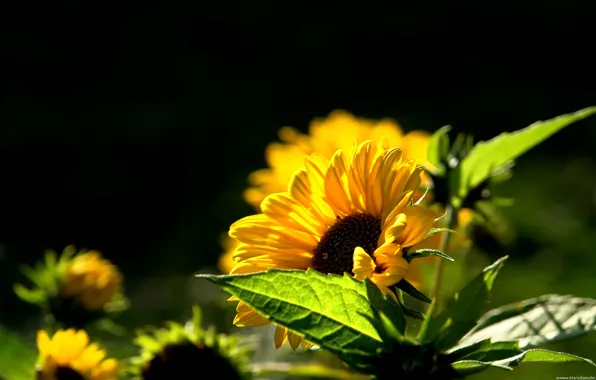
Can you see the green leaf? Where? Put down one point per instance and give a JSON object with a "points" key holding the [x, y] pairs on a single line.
{"points": [[494, 352], [34, 296], [427, 252], [486, 156], [462, 311], [412, 313], [461, 352], [438, 147], [536, 321], [411, 290], [17, 358], [469, 367], [331, 311], [546, 356], [438, 230]]}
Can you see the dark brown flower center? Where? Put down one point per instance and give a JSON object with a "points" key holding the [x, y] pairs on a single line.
{"points": [[67, 373], [189, 361], [335, 251]]}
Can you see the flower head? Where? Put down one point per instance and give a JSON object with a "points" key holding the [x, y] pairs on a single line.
{"points": [[354, 213], [176, 351], [91, 279], [326, 136], [68, 355], [76, 288]]}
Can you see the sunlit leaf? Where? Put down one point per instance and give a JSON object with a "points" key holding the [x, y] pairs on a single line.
{"points": [[462, 311], [471, 366], [536, 321], [538, 355], [461, 352], [34, 296], [494, 351], [487, 156], [331, 311], [424, 252], [438, 146]]}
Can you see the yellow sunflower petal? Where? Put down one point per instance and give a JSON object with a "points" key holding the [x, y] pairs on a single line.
{"points": [[282, 208], [364, 266], [89, 358], [43, 342], [394, 268], [419, 221], [260, 232], [336, 184], [294, 340], [394, 231], [248, 317], [281, 336], [107, 370]]}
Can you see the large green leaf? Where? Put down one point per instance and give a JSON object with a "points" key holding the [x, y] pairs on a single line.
{"points": [[470, 366], [462, 311], [331, 311], [536, 321], [486, 156], [17, 358]]}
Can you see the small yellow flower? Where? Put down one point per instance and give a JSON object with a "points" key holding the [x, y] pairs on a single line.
{"points": [[68, 355], [354, 213], [91, 279]]}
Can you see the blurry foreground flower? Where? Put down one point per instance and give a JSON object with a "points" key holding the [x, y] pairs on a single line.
{"points": [[75, 288], [69, 356], [355, 213], [185, 352]]}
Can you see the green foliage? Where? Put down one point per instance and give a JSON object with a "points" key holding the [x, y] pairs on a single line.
{"points": [[438, 148], [463, 310], [17, 358], [537, 321], [471, 366], [424, 252], [486, 157], [45, 277], [411, 290], [331, 311]]}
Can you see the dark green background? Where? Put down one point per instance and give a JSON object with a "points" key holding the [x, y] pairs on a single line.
{"points": [[130, 127]]}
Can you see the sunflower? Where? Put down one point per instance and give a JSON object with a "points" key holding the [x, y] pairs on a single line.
{"points": [[354, 213], [326, 136], [76, 288], [176, 352], [92, 279], [69, 356]]}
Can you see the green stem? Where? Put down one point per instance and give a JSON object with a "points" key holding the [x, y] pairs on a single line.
{"points": [[450, 221]]}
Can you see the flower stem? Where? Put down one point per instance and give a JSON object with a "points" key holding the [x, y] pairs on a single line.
{"points": [[450, 221]]}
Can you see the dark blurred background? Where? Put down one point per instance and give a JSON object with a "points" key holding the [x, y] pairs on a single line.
{"points": [[130, 127]]}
